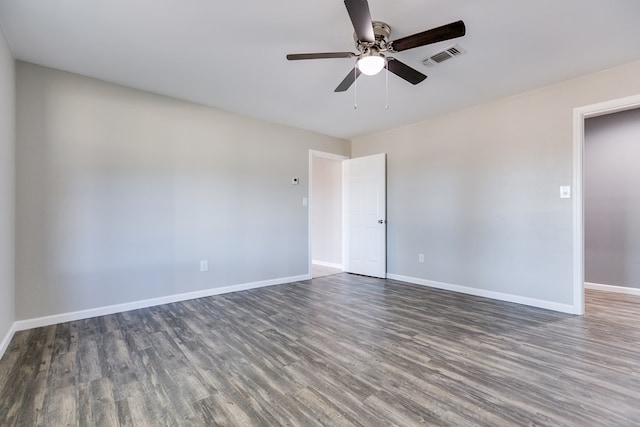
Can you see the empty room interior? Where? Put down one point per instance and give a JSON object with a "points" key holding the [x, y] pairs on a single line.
{"points": [[353, 213]]}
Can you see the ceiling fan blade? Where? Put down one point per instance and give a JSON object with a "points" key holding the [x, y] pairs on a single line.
{"points": [[361, 19], [434, 35], [348, 81], [402, 70], [321, 55]]}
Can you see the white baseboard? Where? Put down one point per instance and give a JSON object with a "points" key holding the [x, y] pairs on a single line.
{"points": [[7, 339], [327, 264], [612, 288], [549, 305], [118, 308], [21, 325]]}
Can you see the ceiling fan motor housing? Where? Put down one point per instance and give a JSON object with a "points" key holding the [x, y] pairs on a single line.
{"points": [[381, 31]]}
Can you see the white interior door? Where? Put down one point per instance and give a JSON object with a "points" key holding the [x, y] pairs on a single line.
{"points": [[365, 200]]}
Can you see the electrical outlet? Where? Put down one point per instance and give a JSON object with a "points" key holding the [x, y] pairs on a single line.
{"points": [[204, 265], [420, 258]]}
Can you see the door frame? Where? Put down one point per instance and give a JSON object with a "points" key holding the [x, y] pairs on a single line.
{"points": [[332, 156], [579, 116]]}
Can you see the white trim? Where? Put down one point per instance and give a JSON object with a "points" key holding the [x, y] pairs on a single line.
{"points": [[579, 115], [578, 215], [549, 305], [21, 325], [7, 339], [327, 264], [612, 288], [325, 155], [345, 201]]}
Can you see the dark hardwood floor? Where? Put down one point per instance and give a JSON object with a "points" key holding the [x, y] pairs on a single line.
{"points": [[338, 350]]}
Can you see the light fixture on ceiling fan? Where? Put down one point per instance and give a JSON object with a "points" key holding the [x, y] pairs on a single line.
{"points": [[371, 63]]}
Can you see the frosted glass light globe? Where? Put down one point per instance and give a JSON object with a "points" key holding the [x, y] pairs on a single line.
{"points": [[371, 65]]}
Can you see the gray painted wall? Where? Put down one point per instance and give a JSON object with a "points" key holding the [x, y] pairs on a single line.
{"points": [[326, 244], [612, 199], [7, 184], [477, 191], [120, 194]]}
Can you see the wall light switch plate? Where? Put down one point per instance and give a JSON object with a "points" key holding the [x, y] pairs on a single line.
{"points": [[204, 265], [305, 202], [565, 191]]}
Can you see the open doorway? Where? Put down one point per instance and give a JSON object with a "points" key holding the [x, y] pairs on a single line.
{"points": [[325, 213], [579, 117], [612, 202]]}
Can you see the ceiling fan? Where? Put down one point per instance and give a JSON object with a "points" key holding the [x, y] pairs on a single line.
{"points": [[372, 42]]}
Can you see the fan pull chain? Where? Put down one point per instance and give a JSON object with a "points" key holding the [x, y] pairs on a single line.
{"points": [[386, 84], [355, 89]]}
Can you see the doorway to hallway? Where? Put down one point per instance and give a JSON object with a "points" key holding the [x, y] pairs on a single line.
{"points": [[325, 213]]}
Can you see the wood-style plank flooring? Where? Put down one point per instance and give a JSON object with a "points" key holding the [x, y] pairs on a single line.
{"points": [[338, 350]]}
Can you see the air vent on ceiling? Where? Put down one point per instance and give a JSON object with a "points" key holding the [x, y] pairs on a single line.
{"points": [[448, 53]]}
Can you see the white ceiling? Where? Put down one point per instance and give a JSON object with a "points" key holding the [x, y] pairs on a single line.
{"points": [[231, 54]]}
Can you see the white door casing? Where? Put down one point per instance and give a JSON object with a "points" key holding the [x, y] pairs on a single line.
{"points": [[579, 116], [364, 192]]}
